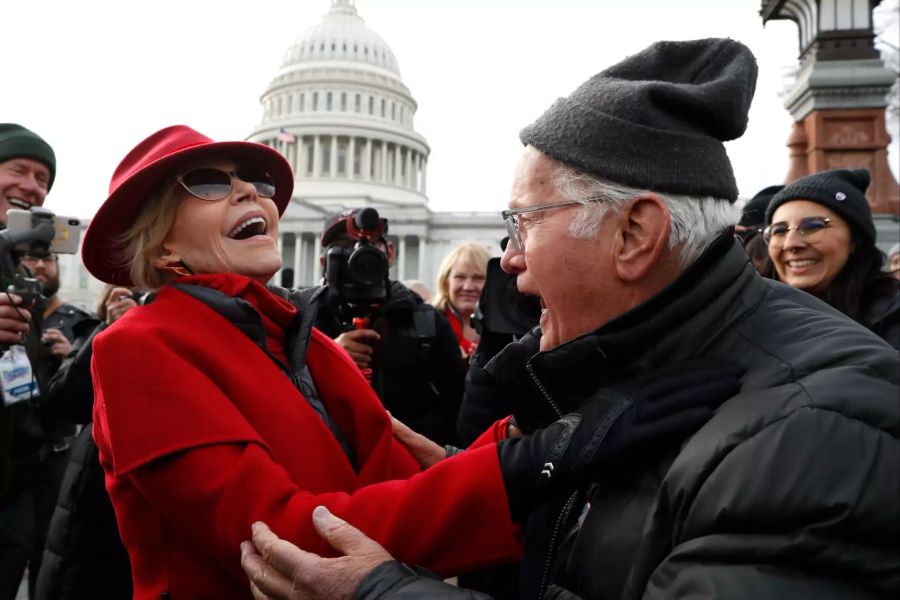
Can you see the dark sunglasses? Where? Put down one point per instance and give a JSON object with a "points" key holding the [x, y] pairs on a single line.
{"points": [[811, 229], [211, 184]]}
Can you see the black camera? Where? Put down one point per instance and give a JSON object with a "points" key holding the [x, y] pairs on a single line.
{"points": [[357, 277]]}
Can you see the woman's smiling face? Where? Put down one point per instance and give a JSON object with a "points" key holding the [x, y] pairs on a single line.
{"points": [[804, 265], [236, 234]]}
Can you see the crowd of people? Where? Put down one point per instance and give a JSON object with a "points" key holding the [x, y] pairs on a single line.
{"points": [[708, 405]]}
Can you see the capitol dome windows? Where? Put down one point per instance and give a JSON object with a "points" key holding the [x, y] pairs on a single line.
{"points": [[357, 102], [315, 101], [343, 102]]}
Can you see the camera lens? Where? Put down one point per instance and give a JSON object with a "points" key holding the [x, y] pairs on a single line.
{"points": [[367, 265]]}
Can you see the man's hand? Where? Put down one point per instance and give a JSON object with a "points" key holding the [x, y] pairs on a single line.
{"points": [[13, 319], [57, 341], [358, 344], [279, 570], [423, 450], [120, 302]]}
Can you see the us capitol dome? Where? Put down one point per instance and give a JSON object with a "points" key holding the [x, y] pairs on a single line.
{"points": [[338, 110]]}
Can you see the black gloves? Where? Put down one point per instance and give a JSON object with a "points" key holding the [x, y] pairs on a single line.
{"points": [[640, 414]]}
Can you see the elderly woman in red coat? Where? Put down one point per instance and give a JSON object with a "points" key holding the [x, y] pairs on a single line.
{"points": [[219, 405]]}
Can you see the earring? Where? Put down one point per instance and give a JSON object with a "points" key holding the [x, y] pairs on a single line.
{"points": [[179, 267]]}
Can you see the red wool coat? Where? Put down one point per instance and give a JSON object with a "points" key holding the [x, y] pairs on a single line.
{"points": [[200, 434]]}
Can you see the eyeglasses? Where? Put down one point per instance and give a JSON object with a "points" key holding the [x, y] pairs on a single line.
{"points": [[512, 223], [214, 184], [811, 229]]}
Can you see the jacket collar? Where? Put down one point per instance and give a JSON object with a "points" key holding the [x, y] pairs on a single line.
{"points": [[709, 297]]}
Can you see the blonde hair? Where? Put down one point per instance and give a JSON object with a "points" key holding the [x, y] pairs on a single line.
{"points": [[142, 243], [469, 254]]}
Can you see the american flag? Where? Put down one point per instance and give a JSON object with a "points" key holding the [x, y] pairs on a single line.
{"points": [[285, 136]]}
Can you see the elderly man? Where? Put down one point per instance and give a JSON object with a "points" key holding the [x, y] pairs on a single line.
{"points": [[619, 218]]}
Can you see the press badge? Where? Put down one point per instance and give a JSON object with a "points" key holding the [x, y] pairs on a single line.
{"points": [[19, 383]]}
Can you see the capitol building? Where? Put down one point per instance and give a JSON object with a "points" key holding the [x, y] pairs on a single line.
{"points": [[339, 111]]}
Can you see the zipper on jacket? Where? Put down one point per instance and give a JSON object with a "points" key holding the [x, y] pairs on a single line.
{"points": [[544, 391], [551, 550]]}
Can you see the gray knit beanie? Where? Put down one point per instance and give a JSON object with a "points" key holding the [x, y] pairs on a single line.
{"points": [[657, 119], [841, 190], [18, 142]]}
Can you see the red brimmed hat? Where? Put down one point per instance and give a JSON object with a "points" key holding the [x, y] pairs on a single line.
{"points": [[143, 170]]}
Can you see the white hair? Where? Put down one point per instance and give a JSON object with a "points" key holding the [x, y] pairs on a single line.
{"points": [[695, 221]]}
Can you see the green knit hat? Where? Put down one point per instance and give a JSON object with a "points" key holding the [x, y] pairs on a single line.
{"points": [[18, 142]]}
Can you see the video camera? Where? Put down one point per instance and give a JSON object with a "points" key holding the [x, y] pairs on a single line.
{"points": [[357, 277]]}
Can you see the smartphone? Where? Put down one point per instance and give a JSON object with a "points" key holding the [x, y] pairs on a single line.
{"points": [[68, 230]]}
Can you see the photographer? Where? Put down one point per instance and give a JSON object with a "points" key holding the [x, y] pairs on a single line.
{"points": [[30, 446], [410, 347]]}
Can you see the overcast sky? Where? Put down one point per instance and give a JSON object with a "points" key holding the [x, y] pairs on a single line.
{"points": [[94, 78]]}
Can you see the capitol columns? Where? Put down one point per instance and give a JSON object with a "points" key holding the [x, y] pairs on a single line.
{"points": [[840, 93]]}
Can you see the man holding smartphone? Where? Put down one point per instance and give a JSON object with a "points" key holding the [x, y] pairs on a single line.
{"points": [[27, 446]]}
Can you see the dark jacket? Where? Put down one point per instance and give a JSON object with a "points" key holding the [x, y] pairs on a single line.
{"points": [[883, 316], [789, 491], [84, 556], [418, 371], [29, 429]]}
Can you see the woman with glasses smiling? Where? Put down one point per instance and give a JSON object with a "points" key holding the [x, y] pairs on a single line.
{"points": [[821, 239]]}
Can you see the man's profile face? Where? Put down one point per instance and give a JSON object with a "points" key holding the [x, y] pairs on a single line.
{"points": [[23, 184], [563, 271], [46, 271]]}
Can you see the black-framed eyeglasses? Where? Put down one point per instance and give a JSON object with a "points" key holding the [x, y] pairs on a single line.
{"points": [[212, 184], [811, 229], [512, 223]]}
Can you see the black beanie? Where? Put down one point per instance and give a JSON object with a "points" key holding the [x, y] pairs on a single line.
{"points": [[657, 119], [841, 190], [754, 212], [18, 142]]}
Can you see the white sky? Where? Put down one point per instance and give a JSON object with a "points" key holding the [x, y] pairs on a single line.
{"points": [[94, 78]]}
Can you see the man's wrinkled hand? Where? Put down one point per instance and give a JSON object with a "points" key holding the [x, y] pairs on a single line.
{"points": [[279, 570], [13, 319], [358, 344]]}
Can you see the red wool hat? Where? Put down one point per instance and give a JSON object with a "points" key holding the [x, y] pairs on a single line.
{"points": [[143, 170]]}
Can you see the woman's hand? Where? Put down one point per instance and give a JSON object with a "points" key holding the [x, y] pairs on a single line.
{"points": [[120, 302], [423, 450]]}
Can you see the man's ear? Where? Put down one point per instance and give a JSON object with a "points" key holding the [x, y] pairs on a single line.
{"points": [[643, 236]]}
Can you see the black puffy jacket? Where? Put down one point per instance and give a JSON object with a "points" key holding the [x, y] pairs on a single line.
{"points": [[790, 491]]}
